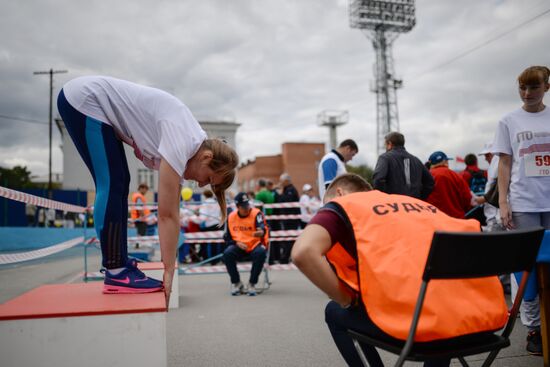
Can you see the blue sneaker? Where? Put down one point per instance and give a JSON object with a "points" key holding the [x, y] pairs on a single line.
{"points": [[130, 280]]}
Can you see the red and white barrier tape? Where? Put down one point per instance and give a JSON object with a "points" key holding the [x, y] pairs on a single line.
{"points": [[295, 204], [142, 240], [35, 254], [39, 201], [240, 267], [283, 216]]}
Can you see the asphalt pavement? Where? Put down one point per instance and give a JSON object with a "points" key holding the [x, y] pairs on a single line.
{"points": [[284, 326]]}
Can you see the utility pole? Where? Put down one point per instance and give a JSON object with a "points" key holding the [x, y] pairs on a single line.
{"points": [[51, 72]]}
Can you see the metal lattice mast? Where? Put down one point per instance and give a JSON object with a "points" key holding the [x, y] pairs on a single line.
{"points": [[382, 22]]}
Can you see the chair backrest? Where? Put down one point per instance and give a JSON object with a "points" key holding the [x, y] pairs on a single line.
{"points": [[478, 254]]}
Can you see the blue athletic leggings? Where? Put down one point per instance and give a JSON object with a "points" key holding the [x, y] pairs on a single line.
{"points": [[104, 156]]}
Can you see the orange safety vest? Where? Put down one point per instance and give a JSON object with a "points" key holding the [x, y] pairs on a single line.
{"points": [[393, 234], [134, 213], [241, 229]]}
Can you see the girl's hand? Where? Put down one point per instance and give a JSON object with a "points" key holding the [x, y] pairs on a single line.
{"points": [[167, 281], [506, 215]]}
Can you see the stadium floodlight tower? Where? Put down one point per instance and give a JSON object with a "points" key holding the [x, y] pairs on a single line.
{"points": [[382, 21], [332, 119]]}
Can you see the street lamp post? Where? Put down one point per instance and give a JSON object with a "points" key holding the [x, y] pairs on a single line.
{"points": [[51, 72]]}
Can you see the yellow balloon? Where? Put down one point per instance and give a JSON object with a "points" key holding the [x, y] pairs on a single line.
{"points": [[186, 193]]}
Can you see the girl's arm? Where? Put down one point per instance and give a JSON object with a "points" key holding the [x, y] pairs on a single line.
{"points": [[504, 174], [168, 221]]}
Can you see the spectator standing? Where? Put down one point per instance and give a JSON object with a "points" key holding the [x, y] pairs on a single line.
{"points": [[492, 214], [522, 141], [30, 213], [140, 215], [360, 224], [209, 220], [475, 177], [451, 193], [334, 163], [274, 225], [309, 204], [399, 172], [288, 194], [265, 196], [246, 234]]}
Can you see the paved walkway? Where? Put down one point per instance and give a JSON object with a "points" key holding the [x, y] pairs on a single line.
{"points": [[282, 327]]}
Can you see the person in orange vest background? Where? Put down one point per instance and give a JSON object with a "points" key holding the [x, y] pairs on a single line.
{"points": [[246, 234], [140, 216], [367, 249]]}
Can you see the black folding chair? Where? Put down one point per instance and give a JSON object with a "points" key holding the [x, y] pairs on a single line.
{"points": [[464, 255]]}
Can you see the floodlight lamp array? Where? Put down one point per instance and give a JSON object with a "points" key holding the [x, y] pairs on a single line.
{"points": [[388, 15]]}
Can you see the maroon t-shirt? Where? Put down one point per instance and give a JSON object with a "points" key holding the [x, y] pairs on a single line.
{"points": [[332, 218]]}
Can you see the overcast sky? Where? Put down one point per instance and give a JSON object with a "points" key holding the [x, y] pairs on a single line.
{"points": [[272, 65]]}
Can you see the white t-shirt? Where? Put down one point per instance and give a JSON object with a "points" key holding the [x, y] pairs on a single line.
{"points": [[526, 137], [154, 122], [210, 212], [330, 167]]}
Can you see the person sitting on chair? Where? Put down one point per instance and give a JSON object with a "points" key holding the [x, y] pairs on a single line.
{"points": [[367, 250], [246, 234]]}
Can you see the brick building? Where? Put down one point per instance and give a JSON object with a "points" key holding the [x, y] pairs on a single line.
{"points": [[299, 160]]}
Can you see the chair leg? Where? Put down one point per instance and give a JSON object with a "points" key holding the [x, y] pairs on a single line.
{"points": [[360, 352], [490, 358]]}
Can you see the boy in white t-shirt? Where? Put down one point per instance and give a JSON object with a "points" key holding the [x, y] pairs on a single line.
{"points": [[100, 113]]}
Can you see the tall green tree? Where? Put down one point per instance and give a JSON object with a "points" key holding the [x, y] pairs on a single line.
{"points": [[16, 178]]}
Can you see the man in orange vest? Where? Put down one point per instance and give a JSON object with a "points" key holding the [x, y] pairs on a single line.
{"points": [[246, 234], [367, 250], [139, 216]]}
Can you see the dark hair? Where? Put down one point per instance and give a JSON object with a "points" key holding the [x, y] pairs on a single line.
{"points": [[262, 183], [470, 159], [208, 194], [143, 186], [349, 143], [350, 182], [534, 75], [397, 139]]}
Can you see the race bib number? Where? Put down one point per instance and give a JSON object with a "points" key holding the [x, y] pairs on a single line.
{"points": [[537, 164]]}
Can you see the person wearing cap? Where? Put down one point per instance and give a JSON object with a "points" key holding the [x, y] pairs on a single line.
{"points": [[399, 172], [309, 204], [451, 193], [246, 234]]}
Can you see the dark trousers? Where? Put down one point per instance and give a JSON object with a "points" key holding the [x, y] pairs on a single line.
{"points": [[104, 156], [339, 320], [286, 246], [209, 250], [233, 253], [274, 246]]}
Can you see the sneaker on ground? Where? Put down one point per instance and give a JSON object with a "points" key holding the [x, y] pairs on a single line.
{"points": [[534, 343], [237, 288], [130, 280], [252, 289]]}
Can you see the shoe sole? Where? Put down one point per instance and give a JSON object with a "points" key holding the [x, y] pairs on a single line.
{"points": [[113, 289]]}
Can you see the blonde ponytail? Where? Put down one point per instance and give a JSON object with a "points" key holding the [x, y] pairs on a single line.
{"points": [[224, 163]]}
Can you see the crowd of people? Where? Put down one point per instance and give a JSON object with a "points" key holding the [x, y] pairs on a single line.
{"points": [[353, 234]]}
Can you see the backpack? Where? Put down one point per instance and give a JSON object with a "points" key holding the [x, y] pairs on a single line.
{"points": [[478, 182]]}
